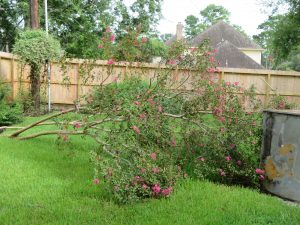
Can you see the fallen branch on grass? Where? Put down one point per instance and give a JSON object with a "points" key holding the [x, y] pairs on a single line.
{"points": [[53, 132], [15, 134]]}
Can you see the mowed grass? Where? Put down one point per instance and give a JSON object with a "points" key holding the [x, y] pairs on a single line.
{"points": [[42, 182]]}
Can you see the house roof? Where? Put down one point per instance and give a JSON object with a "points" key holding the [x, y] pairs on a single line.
{"points": [[230, 56], [171, 40], [222, 31]]}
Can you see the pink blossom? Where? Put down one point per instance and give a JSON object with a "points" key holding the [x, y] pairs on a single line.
{"points": [[142, 116], [144, 186], [137, 177], [143, 170], [144, 39], [159, 108], [185, 175], [212, 59], [112, 38], [155, 170], [108, 30], [96, 181], [151, 101], [228, 158], [222, 173], [259, 171], [239, 162], [222, 129], [156, 189], [236, 83], [211, 70], [110, 61], [254, 142], [218, 111], [231, 146], [76, 125], [137, 103], [153, 156], [100, 46], [173, 142], [201, 145], [172, 62], [227, 84], [254, 123], [202, 159], [166, 192], [261, 177], [136, 129], [222, 119]]}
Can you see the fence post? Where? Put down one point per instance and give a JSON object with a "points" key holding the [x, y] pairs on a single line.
{"points": [[12, 71], [78, 81], [268, 89], [221, 77]]}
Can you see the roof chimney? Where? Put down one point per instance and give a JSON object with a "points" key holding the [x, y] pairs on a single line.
{"points": [[179, 32]]}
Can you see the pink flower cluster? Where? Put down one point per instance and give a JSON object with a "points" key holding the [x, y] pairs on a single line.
{"points": [[261, 173], [222, 173], [166, 192], [136, 129], [76, 125], [156, 189], [153, 156]]}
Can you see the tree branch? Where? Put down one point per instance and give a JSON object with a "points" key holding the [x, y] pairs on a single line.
{"points": [[58, 132], [40, 121]]}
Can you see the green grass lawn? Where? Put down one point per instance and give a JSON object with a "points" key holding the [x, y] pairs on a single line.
{"points": [[46, 183]]}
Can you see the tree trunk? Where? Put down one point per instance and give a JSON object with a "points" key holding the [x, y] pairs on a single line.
{"points": [[34, 14], [35, 87], [35, 82]]}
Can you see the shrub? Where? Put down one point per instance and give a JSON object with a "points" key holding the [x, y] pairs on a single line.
{"points": [[280, 102], [224, 146], [10, 112], [136, 157]]}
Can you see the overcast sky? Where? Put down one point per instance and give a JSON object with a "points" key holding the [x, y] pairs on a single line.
{"points": [[246, 13]]}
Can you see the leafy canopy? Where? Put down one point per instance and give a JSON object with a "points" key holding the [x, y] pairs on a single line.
{"points": [[208, 17], [36, 47]]}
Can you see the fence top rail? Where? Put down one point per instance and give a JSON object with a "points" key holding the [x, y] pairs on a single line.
{"points": [[5, 55]]}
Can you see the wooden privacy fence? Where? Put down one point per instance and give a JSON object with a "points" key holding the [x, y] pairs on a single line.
{"points": [[267, 82]]}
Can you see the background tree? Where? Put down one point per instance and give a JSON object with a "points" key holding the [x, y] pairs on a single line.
{"points": [[281, 33], [8, 24], [213, 14], [165, 37], [78, 24], [208, 16], [192, 26]]}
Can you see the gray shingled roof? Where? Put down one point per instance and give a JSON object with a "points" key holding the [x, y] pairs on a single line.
{"points": [[230, 56], [222, 31], [171, 40]]}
